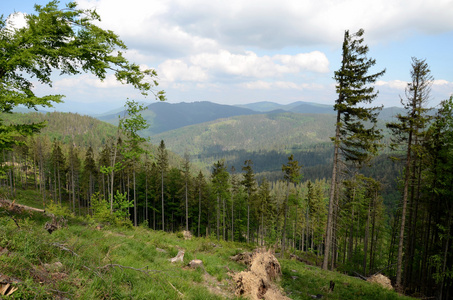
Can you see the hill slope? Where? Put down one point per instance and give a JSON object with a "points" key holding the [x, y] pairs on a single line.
{"points": [[81, 130], [275, 131], [299, 107], [162, 116], [84, 261]]}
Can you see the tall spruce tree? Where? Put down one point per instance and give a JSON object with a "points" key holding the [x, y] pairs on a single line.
{"points": [[249, 183], [356, 136], [220, 184], [186, 171], [291, 174], [162, 165], [406, 132]]}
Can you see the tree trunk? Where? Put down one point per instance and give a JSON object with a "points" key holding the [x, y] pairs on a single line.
{"points": [[329, 226], [218, 218], [232, 217], [199, 212], [135, 198], [365, 241], [162, 190], [399, 265], [187, 208], [285, 220]]}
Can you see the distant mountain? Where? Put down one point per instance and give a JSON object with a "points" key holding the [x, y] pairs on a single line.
{"points": [[313, 108], [389, 113], [267, 139], [263, 106], [114, 112], [163, 116], [273, 131], [297, 107], [24, 110]]}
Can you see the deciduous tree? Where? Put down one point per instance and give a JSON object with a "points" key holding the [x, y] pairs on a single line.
{"points": [[65, 40]]}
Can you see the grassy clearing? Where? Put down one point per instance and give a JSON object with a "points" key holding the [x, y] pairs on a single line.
{"points": [[300, 281], [82, 262]]}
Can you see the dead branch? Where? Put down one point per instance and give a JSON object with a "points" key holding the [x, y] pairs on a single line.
{"points": [[143, 270], [89, 269], [62, 247], [360, 276], [17, 224], [180, 294]]}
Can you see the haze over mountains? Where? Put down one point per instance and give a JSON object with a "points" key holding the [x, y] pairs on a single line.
{"points": [[163, 116], [264, 132]]}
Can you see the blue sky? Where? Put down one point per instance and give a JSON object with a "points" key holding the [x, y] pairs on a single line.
{"points": [[237, 52]]}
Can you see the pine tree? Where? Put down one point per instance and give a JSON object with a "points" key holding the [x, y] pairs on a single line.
{"points": [[162, 165], [220, 178], [89, 174], [406, 131], [354, 141], [186, 171], [291, 174], [249, 183]]}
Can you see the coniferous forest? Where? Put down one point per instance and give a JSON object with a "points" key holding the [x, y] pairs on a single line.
{"points": [[379, 200]]}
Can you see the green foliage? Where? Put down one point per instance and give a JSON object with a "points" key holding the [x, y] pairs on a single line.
{"points": [[291, 170], [100, 208], [121, 208], [358, 136], [67, 40], [59, 210]]}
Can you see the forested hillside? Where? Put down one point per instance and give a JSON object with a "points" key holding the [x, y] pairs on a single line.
{"points": [[68, 128], [163, 116], [299, 107], [267, 139]]}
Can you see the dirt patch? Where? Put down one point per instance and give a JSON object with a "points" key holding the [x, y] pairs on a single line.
{"points": [[244, 258], [381, 280], [187, 235], [258, 281]]}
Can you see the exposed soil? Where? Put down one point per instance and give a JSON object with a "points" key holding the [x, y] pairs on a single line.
{"points": [[381, 280], [258, 281]]}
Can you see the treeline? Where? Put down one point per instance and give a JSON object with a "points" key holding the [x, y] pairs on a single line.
{"points": [[227, 203]]}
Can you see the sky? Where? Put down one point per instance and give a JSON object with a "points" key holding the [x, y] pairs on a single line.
{"points": [[239, 52]]}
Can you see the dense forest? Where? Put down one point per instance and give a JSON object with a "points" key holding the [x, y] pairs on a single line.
{"points": [[232, 202], [376, 205]]}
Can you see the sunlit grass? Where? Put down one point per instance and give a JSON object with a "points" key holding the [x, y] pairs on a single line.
{"points": [[133, 263]]}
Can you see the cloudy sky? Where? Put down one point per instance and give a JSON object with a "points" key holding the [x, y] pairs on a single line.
{"points": [[237, 52]]}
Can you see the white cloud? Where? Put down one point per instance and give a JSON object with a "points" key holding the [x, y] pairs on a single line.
{"points": [[393, 84], [173, 27], [86, 80], [177, 70], [224, 64], [442, 82], [280, 85]]}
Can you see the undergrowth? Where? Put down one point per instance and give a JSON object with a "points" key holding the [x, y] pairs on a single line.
{"points": [[85, 261]]}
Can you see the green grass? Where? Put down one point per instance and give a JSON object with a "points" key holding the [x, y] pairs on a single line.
{"points": [[300, 281], [122, 263]]}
